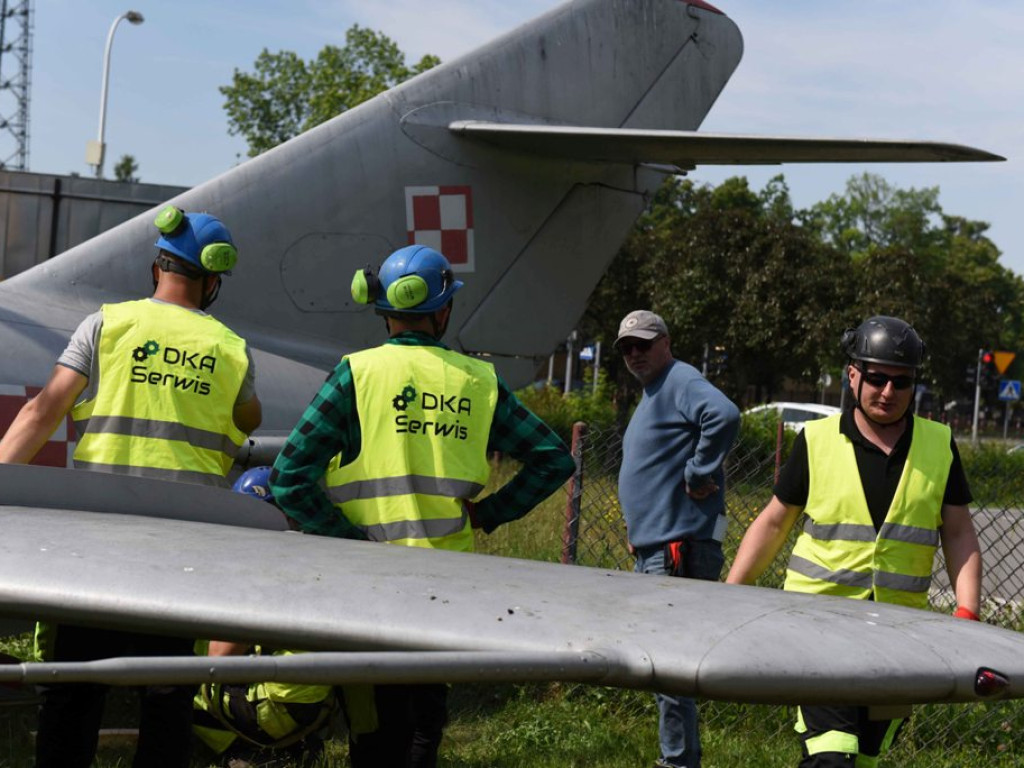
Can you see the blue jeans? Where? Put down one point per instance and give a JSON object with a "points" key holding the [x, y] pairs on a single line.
{"points": [[677, 716]]}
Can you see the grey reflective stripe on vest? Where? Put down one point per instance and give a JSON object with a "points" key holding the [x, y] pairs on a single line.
{"points": [[843, 576], [839, 531], [910, 534], [848, 578], [902, 582], [163, 430], [415, 529], [178, 475], [400, 486]]}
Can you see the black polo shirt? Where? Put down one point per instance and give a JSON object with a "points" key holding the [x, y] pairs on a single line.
{"points": [[879, 474]]}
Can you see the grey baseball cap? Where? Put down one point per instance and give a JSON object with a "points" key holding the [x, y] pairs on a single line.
{"points": [[641, 324]]}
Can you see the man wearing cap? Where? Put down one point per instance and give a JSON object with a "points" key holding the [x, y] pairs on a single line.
{"points": [[672, 487], [399, 434], [881, 489], [157, 388]]}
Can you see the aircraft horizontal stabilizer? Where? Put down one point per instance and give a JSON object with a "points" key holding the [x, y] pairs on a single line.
{"points": [[688, 149]]}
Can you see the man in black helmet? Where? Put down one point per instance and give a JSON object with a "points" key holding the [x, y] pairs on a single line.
{"points": [[881, 489]]}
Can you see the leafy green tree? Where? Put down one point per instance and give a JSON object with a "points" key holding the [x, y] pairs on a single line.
{"points": [[939, 272], [269, 106], [741, 270], [126, 168], [731, 268], [873, 214], [285, 95]]}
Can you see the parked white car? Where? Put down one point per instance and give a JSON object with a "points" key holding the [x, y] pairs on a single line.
{"points": [[793, 415]]}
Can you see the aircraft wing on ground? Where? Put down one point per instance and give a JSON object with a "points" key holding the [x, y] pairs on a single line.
{"points": [[688, 149], [173, 575]]}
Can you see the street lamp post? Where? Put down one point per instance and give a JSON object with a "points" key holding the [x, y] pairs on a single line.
{"points": [[95, 150]]}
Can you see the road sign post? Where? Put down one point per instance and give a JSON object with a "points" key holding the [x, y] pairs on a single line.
{"points": [[1009, 392], [977, 398]]}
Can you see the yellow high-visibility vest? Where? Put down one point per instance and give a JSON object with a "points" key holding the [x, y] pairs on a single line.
{"points": [[425, 414], [839, 552], [168, 381]]}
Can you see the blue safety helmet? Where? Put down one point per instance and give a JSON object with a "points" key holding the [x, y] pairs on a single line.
{"points": [[415, 279], [198, 238], [255, 482]]}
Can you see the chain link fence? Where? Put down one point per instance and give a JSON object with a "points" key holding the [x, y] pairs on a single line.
{"points": [[595, 535]]}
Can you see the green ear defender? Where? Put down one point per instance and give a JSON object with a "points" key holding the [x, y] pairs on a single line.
{"points": [[408, 291], [219, 257], [404, 293], [365, 286], [169, 220]]}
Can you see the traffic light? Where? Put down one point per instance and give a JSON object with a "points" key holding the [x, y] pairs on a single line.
{"points": [[989, 372]]}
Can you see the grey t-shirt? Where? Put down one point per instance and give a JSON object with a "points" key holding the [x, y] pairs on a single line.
{"points": [[79, 355]]}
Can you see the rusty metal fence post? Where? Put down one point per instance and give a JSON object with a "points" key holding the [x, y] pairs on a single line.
{"points": [[571, 531]]}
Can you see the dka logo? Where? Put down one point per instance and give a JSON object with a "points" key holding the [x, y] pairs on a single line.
{"points": [[443, 413], [185, 381], [175, 356]]}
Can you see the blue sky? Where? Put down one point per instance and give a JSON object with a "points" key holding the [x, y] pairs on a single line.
{"points": [[926, 69]]}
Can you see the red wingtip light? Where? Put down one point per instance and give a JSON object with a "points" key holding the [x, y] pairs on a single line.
{"points": [[990, 683]]}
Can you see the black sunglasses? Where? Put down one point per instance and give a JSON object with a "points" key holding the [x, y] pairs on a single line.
{"points": [[878, 380], [642, 345]]}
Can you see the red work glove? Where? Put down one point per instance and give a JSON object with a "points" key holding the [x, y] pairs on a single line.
{"points": [[966, 613]]}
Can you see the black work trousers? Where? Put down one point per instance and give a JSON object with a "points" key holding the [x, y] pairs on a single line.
{"points": [[71, 713], [411, 721], [825, 726]]}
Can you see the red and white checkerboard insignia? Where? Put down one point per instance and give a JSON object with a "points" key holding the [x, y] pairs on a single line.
{"points": [[442, 218], [61, 446]]}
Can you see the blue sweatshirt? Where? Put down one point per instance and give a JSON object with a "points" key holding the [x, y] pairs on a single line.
{"points": [[679, 435]]}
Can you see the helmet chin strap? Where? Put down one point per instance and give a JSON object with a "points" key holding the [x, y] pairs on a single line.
{"points": [[860, 394], [439, 328], [210, 297]]}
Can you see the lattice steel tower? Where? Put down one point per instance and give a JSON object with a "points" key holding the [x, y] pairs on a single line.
{"points": [[15, 80]]}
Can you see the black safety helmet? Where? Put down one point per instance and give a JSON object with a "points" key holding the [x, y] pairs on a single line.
{"points": [[884, 340]]}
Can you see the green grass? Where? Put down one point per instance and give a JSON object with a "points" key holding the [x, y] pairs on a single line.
{"points": [[538, 536]]}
